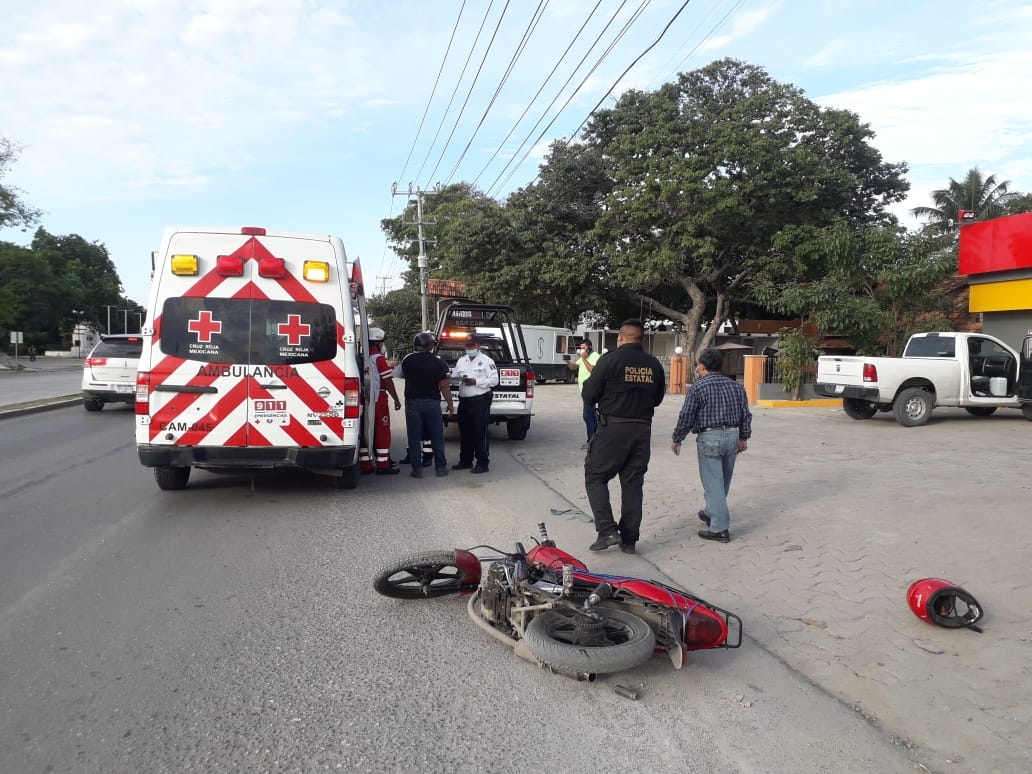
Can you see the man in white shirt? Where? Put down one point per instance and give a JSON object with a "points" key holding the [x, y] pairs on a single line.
{"points": [[476, 374]]}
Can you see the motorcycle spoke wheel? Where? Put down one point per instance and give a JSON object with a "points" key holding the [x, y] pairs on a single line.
{"points": [[430, 574], [568, 641]]}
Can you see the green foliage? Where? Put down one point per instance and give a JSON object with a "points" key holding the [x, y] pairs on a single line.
{"points": [[399, 313], [57, 281], [877, 287], [711, 170], [984, 195], [13, 212], [795, 353]]}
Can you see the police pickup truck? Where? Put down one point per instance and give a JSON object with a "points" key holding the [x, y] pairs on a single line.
{"points": [[501, 339]]}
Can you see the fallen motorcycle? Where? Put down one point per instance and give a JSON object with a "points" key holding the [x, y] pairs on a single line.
{"points": [[547, 606]]}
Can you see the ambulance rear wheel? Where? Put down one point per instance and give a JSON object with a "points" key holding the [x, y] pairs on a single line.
{"points": [[349, 477], [171, 478]]}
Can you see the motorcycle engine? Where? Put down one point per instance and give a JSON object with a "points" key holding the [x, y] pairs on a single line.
{"points": [[496, 598]]}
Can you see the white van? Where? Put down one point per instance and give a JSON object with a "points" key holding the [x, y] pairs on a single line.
{"points": [[254, 356]]}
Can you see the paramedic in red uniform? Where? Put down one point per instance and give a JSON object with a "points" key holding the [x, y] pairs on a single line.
{"points": [[383, 386]]}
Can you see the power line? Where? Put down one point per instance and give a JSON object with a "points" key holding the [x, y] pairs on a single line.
{"points": [[573, 93], [537, 94], [455, 91], [432, 93], [480, 69], [527, 33], [630, 66]]}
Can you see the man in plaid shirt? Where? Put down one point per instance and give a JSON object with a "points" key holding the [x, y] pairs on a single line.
{"points": [[717, 409]]}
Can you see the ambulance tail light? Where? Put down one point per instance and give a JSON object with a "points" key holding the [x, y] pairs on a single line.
{"points": [[229, 265], [352, 398], [316, 271], [143, 392], [530, 384], [184, 265], [272, 268]]}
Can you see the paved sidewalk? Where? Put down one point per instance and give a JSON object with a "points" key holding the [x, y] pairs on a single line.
{"points": [[832, 519], [48, 383]]}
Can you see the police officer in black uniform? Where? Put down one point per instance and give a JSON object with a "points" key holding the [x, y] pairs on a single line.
{"points": [[626, 386]]}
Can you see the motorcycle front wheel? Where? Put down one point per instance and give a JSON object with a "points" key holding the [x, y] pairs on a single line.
{"points": [[429, 574], [610, 641]]}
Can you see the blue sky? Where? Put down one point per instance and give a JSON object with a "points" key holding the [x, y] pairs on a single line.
{"points": [[300, 114]]}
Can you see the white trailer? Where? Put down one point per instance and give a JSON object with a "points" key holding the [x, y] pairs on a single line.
{"points": [[550, 349]]}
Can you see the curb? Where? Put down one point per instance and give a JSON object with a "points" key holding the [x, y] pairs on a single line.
{"points": [[34, 407], [813, 403]]}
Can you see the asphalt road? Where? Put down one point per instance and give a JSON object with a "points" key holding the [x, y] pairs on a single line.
{"points": [[232, 627]]}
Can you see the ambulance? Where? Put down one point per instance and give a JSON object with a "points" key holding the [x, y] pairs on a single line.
{"points": [[254, 356]]}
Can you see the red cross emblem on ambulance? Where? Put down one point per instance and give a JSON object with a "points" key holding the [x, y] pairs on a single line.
{"points": [[294, 329], [204, 326]]}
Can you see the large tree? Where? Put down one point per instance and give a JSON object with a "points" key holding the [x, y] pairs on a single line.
{"points": [[878, 285], [13, 211], [983, 195], [709, 171]]}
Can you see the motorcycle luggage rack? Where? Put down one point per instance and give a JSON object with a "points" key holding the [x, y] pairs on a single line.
{"points": [[727, 614]]}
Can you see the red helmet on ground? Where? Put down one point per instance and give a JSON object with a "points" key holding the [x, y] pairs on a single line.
{"points": [[938, 601]]}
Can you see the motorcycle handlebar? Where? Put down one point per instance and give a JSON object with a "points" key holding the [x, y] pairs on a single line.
{"points": [[545, 540]]}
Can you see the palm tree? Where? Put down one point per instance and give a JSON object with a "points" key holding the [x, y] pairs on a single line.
{"points": [[982, 195]]}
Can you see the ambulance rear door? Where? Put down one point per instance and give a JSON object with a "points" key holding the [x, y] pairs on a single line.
{"points": [[250, 353]]}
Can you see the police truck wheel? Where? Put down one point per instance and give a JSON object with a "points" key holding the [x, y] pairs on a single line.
{"points": [[517, 428], [171, 478]]}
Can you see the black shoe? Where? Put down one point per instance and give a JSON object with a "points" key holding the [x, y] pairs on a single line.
{"points": [[461, 466], [479, 469], [442, 472], [720, 537], [704, 518], [428, 460], [404, 461], [605, 540], [417, 473], [627, 548], [387, 471]]}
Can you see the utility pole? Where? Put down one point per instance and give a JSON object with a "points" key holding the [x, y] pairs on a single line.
{"points": [[416, 197], [383, 283], [109, 308]]}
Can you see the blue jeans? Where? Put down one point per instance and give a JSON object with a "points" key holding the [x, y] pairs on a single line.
{"points": [[718, 450], [590, 420], [423, 420]]}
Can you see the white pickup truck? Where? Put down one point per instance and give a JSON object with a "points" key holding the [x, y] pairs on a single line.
{"points": [[974, 371]]}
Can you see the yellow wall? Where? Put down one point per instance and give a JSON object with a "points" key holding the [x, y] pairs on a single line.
{"points": [[1000, 296]]}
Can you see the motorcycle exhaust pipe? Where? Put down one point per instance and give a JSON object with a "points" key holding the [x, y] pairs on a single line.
{"points": [[522, 651]]}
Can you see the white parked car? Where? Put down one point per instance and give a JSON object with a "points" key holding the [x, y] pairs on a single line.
{"points": [[109, 371]]}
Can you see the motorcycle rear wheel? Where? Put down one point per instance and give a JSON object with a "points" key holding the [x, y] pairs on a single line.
{"points": [[569, 642], [419, 576]]}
